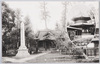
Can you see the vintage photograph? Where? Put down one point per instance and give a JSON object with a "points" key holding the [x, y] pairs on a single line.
{"points": [[50, 31]]}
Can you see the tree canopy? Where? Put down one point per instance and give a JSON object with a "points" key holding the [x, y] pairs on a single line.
{"points": [[10, 33]]}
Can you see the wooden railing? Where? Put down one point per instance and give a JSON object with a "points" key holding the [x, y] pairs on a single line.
{"points": [[92, 51]]}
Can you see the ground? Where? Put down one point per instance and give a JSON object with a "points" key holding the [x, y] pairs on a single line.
{"points": [[53, 58], [44, 57]]}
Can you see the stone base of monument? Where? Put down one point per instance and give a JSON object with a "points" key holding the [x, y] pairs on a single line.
{"points": [[22, 52]]}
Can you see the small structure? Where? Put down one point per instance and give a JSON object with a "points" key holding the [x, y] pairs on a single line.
{"points": [[46, 39]]}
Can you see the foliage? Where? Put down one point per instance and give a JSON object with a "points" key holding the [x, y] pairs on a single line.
{"points": [[8, 18], [29, 34], [10, 33], [45, 14], [64, 15], [30, 42]]}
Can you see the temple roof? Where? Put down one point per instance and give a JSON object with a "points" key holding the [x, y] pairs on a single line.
{"points": [[73, 28], [48, 34], [81, 18], [42, 35], [82, 25]]}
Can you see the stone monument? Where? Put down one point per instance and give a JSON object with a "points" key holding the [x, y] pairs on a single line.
{"points": [[22, 51]]}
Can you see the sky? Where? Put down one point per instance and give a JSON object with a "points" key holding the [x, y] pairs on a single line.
{"points": [[55, 9]]}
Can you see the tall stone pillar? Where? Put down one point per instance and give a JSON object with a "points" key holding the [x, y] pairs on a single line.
{"points": [[22, 51], [22, 45]]}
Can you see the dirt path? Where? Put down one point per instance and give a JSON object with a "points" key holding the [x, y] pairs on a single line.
{"points": [[53, 58], [14, 60]]}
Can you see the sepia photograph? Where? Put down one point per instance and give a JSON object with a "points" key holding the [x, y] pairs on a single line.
{"points": [[50, 31]]}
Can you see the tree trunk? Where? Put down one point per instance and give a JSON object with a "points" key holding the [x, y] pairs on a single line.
{"points": [[36, 47]]}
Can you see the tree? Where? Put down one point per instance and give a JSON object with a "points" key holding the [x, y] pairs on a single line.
{"points": [[10, 34], [30, 42], [27, 26], [45, 14], [8, 18], [64, 25], [57, 26], [65, 4], [92, 13], [17, 27], [18, 18], [28, 30]]}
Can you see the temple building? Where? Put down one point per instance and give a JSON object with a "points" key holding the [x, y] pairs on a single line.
{"points": [[88, 28]]}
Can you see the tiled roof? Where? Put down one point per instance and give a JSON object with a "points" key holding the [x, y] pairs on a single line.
{"points": [[49, 34], [74, 28], [79, 24], [81, 18], [42, 35]]}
